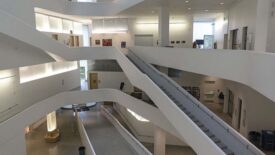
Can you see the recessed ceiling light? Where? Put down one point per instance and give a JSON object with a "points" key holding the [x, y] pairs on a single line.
{"points": [[186, 1], [206, 10], [221, 3], [189, 8]]}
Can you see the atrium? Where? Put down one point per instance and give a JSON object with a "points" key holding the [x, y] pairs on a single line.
{"points": [[137, 77]]}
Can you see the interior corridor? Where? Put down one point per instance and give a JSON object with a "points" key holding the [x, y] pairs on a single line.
{"points": [[69, 141], [104, 137]]}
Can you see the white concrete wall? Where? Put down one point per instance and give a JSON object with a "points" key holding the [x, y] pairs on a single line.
{"points": [[12, 48], [144, 131], [12, 131], [15, 96], [116, 39], [257, 110], [113, 80], [271, 30], [181, 29], [21, 9], [64, 38], [241, 14], [221, 26]]}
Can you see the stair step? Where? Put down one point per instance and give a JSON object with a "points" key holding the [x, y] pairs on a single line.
{"points": [[191, 116], [228, 152], [210, 135], [215, 140], [221, 145], [204, 129]]}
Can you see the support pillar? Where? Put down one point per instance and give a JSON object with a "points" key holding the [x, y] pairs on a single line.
{"points": [[159, 141], [163, 26], [262, 24], [52, 135]]}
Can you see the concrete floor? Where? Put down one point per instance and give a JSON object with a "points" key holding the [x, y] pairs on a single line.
{"points": [[218, 110], [104, 137], [68, 144], [172, 150]]}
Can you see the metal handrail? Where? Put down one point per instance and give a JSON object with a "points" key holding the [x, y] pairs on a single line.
{"points": [[204, 109], [116, 122]]}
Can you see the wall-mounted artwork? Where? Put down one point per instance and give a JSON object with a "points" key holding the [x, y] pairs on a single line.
{"points": [[123, 44], [107, 42], [172, 42], [183, 42], [97, 42], [178, 42]]}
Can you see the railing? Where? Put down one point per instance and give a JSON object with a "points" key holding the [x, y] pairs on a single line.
{"points": [[89, 150], [126, 134], [233, 140]]}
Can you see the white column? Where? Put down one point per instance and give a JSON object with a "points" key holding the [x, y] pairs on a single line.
{"points": [[163, 26], [159, 141], [51, 122], [262, 25]]}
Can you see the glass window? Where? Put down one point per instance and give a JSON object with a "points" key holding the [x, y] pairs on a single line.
{"points": [[77, 28], [55, 24], [42, 22], [67, 26]]}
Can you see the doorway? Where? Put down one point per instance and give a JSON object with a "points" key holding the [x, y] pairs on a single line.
{"points": [[93, 81], [225, 41], [244, 38], [234, 36], [86, 36], [230, 103], [144, 40], [240, 102], [55, 36]]}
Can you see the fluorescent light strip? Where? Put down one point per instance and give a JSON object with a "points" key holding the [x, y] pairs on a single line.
{"points": [[157, 23], [26, 79], [138, 117], [3, 78]]}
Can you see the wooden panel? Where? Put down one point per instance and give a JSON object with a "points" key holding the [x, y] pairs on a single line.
{"points": [[93, 81], [76, 41], [55, 36], [71, 43]]}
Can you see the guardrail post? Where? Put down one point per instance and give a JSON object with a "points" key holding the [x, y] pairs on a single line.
{"points": [[159, 141]]}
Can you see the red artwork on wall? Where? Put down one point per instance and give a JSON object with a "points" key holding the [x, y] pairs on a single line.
{"points": [[107, 42]]}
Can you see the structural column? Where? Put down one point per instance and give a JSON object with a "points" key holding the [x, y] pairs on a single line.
{"points": [[163, 26], [52, 131], [159, 141], [262, 24]]}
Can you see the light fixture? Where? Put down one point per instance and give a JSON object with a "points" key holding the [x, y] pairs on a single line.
{"points": [[138, 117], [206, 10], [221, 3], [2, 78], [189, 8], [186, 1]]}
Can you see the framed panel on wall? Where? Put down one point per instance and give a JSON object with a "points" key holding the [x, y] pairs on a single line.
{"points": [[123, 44], [107, 42], [97, 42]]}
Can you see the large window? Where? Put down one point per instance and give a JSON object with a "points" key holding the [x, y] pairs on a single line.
{"points": [[54, 24], [201, 29]]}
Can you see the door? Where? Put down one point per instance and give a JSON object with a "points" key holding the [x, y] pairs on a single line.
{"points": [[244, 39], [144, 40], [234, 39], [55, 36], [240, 113], [76, 41], [225, 41], [93, 81], [71, 41], [230, 103]]}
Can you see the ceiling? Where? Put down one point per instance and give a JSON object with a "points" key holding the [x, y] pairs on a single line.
{"points": [[178, 7]]}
